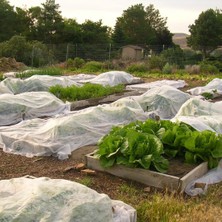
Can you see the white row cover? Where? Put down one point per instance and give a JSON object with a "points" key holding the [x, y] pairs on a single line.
{"points": [[63, 134], [214, 87], [15, 108], [42, 199], [143, 87], [162, 101], [35, 83], [44, 82], [113, 78], [201, 115]]}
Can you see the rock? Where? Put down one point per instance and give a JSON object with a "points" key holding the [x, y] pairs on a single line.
{"points": [[88, 172], [147, 189], [80, 166]]}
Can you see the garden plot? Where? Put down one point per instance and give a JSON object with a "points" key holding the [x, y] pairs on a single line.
{"points": [[143, 87], [177, 178], [58, 200], [212, 89], [146, 145], [81, 104], [15, 108], [63, 134]]}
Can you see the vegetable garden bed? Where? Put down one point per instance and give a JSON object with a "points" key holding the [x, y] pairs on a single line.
{"points": [[81, 104], [178, 176]]}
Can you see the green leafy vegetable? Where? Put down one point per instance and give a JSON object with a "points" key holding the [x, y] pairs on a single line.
{"points": [[146, 144]]}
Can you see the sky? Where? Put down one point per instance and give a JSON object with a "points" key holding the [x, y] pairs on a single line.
{"points": [[179, 14]]}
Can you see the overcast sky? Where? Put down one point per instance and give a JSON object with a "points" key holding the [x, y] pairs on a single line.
{"points": [[179, 14]]}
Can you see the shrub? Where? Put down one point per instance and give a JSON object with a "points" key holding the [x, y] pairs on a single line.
{"points": [[156, 62], [69, 63], [137, 67], [93, 66], [167, 69], [192, 69], [78, 62], [174, 56], [208, 68]]}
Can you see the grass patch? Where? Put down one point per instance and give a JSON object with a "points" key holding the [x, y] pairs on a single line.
{"points": [[87, 181], [88, 90], [51, 71], [173, 207]]}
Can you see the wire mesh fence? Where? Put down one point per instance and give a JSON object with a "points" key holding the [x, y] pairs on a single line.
{"points": [[96, 52]]}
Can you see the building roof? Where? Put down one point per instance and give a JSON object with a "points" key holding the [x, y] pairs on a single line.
{"points": [[133, 47]]}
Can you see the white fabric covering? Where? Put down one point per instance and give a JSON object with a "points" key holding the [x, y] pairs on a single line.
{"points": [[143, 87], [61, 135], [201, 115], [164, 101], [36, 83], [214, 87], [15, 108], [113, 78], [43, 199]]}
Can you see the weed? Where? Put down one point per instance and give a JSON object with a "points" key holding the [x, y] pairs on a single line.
{"points": [[87, 181]]}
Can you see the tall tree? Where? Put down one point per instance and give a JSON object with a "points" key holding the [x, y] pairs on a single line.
{"points": [[34, 14], [94, 32], [8, 21], [140, 25], [50, 22], [206, 32], [23, 21], [71, 32]]}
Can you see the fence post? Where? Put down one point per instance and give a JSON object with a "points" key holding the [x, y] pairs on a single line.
{"points": [[32, 56], [76, 50], [110, 48], [67, 51]]}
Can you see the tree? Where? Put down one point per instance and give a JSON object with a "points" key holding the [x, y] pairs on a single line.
{"points": [[140, 25], [23, 21], [50, 22], [94, 32], [16, 47], [71, 32], [206, 32], [8, 21]]}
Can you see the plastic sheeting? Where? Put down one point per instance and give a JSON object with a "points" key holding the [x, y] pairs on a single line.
{"points": [[214, 87], [113, 78], [201, 115], [44, 199], [149, 85], [61, 135], [163, 101], [211, 177], [15, 108], [36, 83]]}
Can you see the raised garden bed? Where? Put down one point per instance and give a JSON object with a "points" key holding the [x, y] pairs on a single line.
{"points": [[177, 177], [81, 104]]}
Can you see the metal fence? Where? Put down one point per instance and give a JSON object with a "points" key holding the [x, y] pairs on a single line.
{"points": [[98, 52]]}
